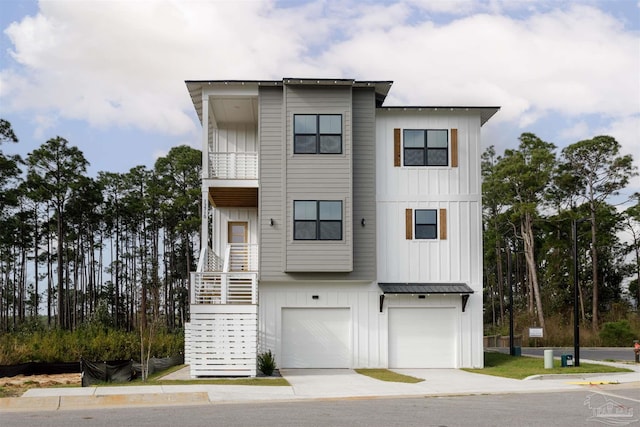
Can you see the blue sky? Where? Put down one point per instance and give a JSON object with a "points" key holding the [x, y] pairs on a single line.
{"points": [[109, 75]]}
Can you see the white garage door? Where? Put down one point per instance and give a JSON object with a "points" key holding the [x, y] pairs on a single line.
{"points": [[316, 338], [422, 337]]}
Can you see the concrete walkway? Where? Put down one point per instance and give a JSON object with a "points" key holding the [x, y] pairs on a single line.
{"points": [[306, 384]]}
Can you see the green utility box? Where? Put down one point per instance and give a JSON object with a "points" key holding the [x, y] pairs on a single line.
{"points": [[566, 360]]}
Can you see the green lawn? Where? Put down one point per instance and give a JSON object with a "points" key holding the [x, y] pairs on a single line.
{"points": [[520, 367], [387, 375]]}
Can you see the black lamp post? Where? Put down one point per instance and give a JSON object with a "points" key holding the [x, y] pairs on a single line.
{"points": [[576, 317], [512, 348]]}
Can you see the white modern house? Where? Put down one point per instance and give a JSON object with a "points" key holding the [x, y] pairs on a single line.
{"points": [[337, 232]]}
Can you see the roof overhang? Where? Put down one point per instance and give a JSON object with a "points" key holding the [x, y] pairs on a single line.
{"points": [[232, 92], [461, 289], [485, 112]]}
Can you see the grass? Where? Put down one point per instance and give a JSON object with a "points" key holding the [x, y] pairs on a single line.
{"points": [[504, 365], [156, 379], [387, 375], [261, 381]]}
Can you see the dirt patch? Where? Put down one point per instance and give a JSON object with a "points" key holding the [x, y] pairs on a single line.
{"points": [[16, 386]]}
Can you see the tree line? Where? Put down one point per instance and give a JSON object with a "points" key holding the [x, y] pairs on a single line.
{"points": [[531, 197], [117, 248]]}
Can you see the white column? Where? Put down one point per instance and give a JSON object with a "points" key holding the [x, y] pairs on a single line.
{"points": [[205, 136], [204, 241]]}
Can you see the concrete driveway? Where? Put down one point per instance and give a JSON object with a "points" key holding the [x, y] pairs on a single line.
{"points": [[331, 383]]}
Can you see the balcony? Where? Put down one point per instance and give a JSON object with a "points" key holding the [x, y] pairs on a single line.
{"points": [[233, 180], [233, 166], [229, 280]]}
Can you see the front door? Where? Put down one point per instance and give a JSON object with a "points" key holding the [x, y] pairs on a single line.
{"points": [[238, 235]]}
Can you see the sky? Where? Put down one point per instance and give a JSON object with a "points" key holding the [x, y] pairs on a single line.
{"points": [[109, 75]]}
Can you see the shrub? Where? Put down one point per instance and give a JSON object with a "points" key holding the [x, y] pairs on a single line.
{"points": [[91, 342], [617, 334], [267, 363]]}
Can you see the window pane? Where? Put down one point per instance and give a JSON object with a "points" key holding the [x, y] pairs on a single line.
{"points": [[330, 144], [426, 216], [304, 123], [437, 157], [426, 232], [331, 210], [304, 210], [304, 144], [304, 230], [413, 157], [437, 138], [331, 124], [330, 230], [414, 139]]}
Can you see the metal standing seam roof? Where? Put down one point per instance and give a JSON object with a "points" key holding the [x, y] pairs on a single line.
{"points": [[425, 288]]}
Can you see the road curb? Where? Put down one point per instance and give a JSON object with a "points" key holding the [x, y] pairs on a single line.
{"points": [[582, 376], [53, 403], [19, 404]]}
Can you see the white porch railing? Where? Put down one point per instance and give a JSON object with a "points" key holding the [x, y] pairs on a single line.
{"points": [[236, 282], [214, 287], [209, 261], [233, 165], [241, 257]]}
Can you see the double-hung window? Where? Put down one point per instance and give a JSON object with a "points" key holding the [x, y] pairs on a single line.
{"points": [[317, 220], [426, 224], [426, 147], [317, 133]]}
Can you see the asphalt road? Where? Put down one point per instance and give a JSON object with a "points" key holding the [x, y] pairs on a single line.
{"points": [[577, 408], [591, 353]]}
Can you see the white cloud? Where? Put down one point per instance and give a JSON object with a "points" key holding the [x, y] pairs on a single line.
{"points": [[123, 63], [577, 132], [43, 124], [626, 130]]}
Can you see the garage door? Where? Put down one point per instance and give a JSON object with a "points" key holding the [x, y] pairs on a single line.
{"points": [[422, 337], [316, 338]]}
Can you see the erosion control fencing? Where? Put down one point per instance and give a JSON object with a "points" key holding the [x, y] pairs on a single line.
{"points": [[106, 372], [158, 364], [38, 368], [123, 370]]}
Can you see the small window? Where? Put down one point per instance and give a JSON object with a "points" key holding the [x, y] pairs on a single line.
{"points": [[426, 147], [317, 220], [317, 134], [426, 224]]}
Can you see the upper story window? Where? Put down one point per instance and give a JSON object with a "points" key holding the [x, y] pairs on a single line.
{"points": [[317, 220], [317, 134], [426, 147], [426, 224]]}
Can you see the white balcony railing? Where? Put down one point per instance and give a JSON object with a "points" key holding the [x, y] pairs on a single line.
{"points": [[233, 165], [232, 280], [214, 287]]}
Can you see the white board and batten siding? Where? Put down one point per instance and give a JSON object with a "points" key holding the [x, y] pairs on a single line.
{"points": [[235, 138], [344, 328], [339, 329], [456, 258], [223, 340]]}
